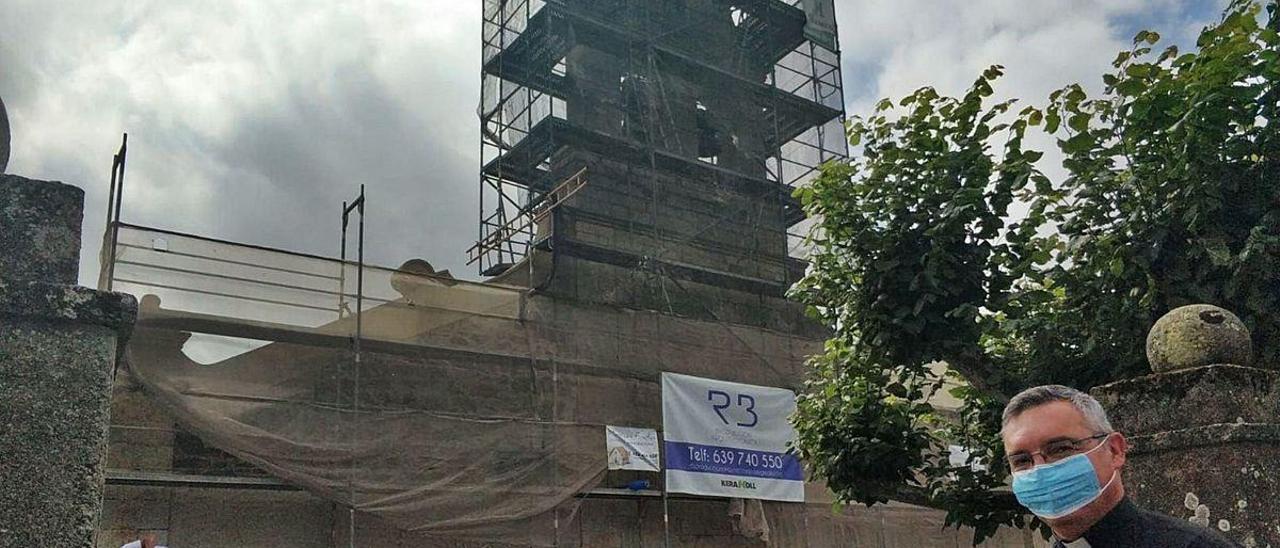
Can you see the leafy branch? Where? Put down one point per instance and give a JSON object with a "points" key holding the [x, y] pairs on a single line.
{"points": [[942, 241]]}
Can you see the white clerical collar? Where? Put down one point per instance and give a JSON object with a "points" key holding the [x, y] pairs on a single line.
{"points": [[1077, 543]]}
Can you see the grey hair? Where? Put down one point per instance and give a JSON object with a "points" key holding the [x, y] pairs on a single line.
{"points": [[1094, 414]]}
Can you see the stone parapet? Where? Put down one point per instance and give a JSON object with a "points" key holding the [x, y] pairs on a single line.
{"points": [[39, 230], [1187, 398], [39, 301], [1226, 477], [59, 345], [58, 350], [1205, 446]]}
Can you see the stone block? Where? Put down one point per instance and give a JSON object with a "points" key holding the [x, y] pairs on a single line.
{"points": [[692, 518], [213, 518], [39, 230], [1205, 446], [53, 409], [133, 508], [1226, 477], [58, 350], [1188, 398], [140, 449], [132, 407], [603, 539], [34, 301]]}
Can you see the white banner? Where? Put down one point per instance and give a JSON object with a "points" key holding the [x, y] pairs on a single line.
{"points": [[631, 448], [726, 439]]}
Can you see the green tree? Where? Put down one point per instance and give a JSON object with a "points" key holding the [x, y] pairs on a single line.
{"points": [[942, 240]]}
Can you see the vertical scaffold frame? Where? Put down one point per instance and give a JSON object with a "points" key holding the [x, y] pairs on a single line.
{"points": [[524, 89]]}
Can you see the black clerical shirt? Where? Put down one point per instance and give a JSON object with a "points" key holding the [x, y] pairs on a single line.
{"points": [[1127, 526]]}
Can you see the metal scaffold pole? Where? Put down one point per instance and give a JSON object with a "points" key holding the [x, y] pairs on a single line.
{"points": [[356, 206], [666, 511], [115, 195]]}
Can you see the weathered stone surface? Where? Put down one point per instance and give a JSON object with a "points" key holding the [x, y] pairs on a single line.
{"points": [[1205, 446], [39, 230], [225, 517], [1200, 396], [53, 414], [1226, 477], [58, 351], [4, 137], [1196, 335], [64, 303]]}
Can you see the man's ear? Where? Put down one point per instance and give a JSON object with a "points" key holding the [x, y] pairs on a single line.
{"points": [[1118, 445]]}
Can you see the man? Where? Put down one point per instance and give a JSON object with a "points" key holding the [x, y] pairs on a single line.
{"points": [[1066, 462]]}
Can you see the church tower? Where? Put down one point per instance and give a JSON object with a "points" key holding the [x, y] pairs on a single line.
{"points": [[642, 153]]}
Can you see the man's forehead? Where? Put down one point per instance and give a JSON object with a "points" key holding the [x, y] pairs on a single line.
{"points": [[1042, 423]]}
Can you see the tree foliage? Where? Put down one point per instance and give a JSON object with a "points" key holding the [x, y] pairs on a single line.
{"points": [[943, 240]]}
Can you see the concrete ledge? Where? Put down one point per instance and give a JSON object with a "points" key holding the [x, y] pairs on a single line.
{"points": [[1212, 435], [1188, 398], [42, 301], [169, 479]]}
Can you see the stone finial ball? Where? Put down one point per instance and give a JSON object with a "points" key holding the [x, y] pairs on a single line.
{"points": [[4, 138], [1197, 335]]}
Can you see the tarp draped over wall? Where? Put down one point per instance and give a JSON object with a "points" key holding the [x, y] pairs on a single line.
{"points": [[473, 410]]}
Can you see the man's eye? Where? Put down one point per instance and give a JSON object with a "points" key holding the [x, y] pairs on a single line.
{"points": [[1020, 461], [1061, 449]]}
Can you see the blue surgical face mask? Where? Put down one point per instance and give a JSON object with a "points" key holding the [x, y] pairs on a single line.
{"points": [[1059, 489]]}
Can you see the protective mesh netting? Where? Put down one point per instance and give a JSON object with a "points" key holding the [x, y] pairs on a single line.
{"points": [[473, 410], [476, 411]]}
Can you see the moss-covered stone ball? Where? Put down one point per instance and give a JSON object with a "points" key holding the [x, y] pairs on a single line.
{"points": [[1197, 335]]}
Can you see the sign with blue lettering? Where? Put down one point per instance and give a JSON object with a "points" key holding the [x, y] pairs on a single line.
{"points": [[725, 439]]}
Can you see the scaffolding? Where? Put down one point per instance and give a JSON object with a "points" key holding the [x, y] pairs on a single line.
{"points": [[474, 416], [720, 92], [647, 145]]}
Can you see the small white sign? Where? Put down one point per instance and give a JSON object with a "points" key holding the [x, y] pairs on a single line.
{"points": [[632, 448]]}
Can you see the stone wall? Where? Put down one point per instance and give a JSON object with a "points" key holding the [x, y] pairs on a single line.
{"points": [[217, 517], [58, 350], [213, 517], [40, 230], [1205, 435], [1205, 447], [580, 339]]}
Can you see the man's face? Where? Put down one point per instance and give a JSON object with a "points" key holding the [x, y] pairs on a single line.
{"points": [[1039, 426]]}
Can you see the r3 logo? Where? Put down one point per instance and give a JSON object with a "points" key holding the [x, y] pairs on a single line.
{"points": [[721, 401]]}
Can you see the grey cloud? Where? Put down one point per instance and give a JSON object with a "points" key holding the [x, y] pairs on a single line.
{"points": [[252, 121]]}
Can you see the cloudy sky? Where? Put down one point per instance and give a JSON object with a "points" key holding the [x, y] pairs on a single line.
{"points": [[252, 120]]}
